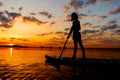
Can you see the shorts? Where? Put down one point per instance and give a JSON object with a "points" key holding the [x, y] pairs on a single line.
{"points": [[77, 36]]}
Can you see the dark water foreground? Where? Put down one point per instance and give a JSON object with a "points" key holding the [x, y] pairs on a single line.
{"points": [[29, 64], [39, 71]]}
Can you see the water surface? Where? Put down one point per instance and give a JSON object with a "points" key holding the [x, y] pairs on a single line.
{"points": [[29, 63]]}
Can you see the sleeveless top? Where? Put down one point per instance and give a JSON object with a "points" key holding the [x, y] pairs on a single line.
{"points": [[76, 27]]}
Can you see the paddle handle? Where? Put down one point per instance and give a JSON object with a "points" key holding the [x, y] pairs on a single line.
{"points": [[63, 48]]}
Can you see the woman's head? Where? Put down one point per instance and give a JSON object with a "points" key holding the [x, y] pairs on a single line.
{"points": [[74, 16]]}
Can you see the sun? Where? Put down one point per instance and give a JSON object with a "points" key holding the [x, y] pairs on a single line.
{"points": [[11, 44]]}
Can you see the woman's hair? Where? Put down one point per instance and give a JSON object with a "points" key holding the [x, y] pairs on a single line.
{"points": [[74, 14]]}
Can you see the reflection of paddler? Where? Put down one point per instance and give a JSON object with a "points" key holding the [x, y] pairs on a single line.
{"points": [[76, 35]]}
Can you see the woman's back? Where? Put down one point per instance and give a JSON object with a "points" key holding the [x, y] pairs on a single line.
{"points": [[76, 26]]}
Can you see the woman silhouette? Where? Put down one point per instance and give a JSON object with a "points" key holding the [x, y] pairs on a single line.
{"points": [[76, 35]]}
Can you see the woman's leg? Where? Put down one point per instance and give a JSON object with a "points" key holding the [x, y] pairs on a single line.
{"points": [[82, 48], [75, 48]]}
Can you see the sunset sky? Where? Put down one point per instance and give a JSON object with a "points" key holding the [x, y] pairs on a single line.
{"points": [[47, 22]]}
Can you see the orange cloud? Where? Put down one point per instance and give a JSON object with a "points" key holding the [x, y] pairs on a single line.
{"points": [[91, 16], [33, 19], [1, 4], [115, 10], [102, 17]]}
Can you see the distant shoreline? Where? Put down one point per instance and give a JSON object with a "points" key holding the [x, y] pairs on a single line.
{"points": [[17, 46]]}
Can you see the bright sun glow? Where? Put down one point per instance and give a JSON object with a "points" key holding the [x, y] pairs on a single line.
{"points": [[11, 44]]}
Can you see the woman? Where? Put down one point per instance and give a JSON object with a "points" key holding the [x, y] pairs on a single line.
{"points": [[76, 35]]}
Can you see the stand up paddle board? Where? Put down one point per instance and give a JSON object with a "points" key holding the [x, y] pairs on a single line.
{"points": [[70, 61]]}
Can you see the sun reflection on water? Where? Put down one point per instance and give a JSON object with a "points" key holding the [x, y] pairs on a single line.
{"points": [[11, 51]]}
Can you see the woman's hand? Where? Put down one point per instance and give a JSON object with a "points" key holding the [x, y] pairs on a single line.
{"points": [[68, 37]]}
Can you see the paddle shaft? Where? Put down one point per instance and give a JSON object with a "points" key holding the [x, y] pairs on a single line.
{"points": [[63, 48]]}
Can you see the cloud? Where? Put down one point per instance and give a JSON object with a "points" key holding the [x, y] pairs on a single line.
{"points": [[12, 8], [83, 14], [75, 4], [32, 13], [47, 14], [67, 29], [7, 19], [110, 27], [4, 21], [89, 31], [1, 4], [93, 16], [117, 31], [93, 2], [112, 21], [23, 39], [61, 33], [102, 17], [66, 8], [45, 34], [3, 30], [20, 9], [116, 10], [90, 2], [19, 39], [58, 40], [68, 18], [90, 25], [109, 40], [12, 14], [33, 19], [109, 1], [58, 33], [87, 24], [5, 25], [53, 22], [88, 39]]}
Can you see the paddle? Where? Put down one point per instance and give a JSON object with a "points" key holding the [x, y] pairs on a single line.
{"points": [[63, 48]]}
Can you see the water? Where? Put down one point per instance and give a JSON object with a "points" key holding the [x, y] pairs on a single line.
{"points": [[29, 63]]}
